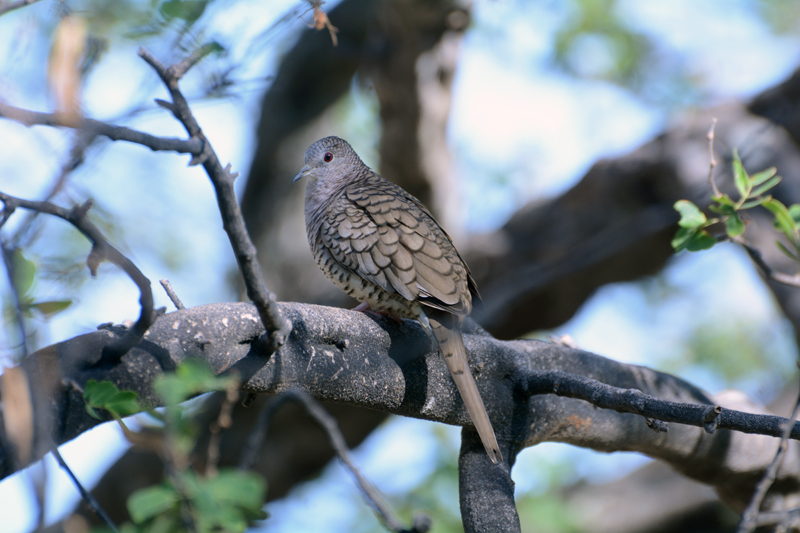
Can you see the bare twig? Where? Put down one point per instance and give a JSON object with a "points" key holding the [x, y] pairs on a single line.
{"points": [[90, 500], [748, 521], [331, 428], [5, 7], [780, 277], [223, 421], [785, 519], [712, 162], [277, 327], [708, 417], [101, 250], [115, 133], [172, 295]]}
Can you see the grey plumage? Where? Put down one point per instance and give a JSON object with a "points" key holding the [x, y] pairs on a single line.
{"points": [[381, 246]]}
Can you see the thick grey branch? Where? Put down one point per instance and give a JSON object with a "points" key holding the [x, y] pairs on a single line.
{"points": [[346, 357]]}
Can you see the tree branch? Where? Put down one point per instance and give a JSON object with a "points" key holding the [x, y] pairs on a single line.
{"points": [[337, 355], [115, 133], [277, 326], [101, 251]]}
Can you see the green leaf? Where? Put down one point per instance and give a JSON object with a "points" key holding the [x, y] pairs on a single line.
{"points": [[191, 378], [691, 216], [187, 10], [724, 200], [147, 503], [740, 178], [701, 241], [245, 489], [723, 209], [682, 238], [794, 211], [767, 186], [786, 251], [734, 225], [24, 272], [758, 201], [783, 220], [52, 307], [106, 395], [760, 177]]}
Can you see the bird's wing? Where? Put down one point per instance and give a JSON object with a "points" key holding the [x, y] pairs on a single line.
{"points": [[384, 235]]}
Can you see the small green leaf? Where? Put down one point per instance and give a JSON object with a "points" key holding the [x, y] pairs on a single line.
{"points": [[740, 178], [245, 489], [187, 10], [723, 209], [147, 503], [794, 212], [758, 201], [724, 200], [682, 238], [691, 216], [92, 412], [767, 186], [734, 225], [24, 272], [783, 220], [191, 378], [52, 307], [105, 395], [786, 251], [760, 177], [701, 241]]}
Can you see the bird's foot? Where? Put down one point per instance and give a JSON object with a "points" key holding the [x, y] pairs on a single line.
{"points": [[364, 307]]}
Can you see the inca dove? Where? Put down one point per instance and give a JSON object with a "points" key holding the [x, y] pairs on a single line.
{"points": [[381, 246]]}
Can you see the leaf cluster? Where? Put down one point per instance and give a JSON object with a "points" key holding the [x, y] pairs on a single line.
{"points": [[230, 500], [693, 234]]}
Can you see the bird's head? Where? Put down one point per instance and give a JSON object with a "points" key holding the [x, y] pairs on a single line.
{"points": [[329, 159]]}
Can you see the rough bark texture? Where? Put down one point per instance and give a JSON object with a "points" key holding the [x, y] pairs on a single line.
{"points": [[349, 358]]}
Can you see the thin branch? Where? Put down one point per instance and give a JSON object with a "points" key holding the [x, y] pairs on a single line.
{"points": [[780, 277], [329, 425], [748, 521], [708, 417], [277, 327], [712, 162], [785, 518], [115, 133], [101, 250], [173, 296], [223, 421], [10, 6], [90, 500]]}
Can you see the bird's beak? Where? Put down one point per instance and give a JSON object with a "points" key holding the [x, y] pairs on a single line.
{"points": [[303, 171]]}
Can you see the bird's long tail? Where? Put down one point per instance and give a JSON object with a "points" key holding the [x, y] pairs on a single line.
{"points": [[447, 330]]}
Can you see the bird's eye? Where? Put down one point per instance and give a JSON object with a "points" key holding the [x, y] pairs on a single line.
{"points": [[328, 157]]}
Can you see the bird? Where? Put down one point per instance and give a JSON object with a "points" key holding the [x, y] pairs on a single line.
{"points": [[381, 245]]}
